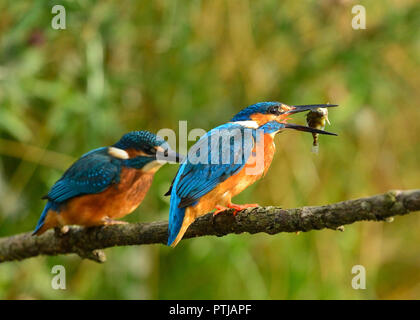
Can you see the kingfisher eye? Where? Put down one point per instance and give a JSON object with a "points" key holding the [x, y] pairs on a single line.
{"points": [[151, 150], [274, 110]]}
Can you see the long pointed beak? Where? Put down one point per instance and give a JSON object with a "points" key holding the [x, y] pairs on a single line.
{"points": [[307, 107], [170, 156], [307, 129], [175, 157], [179, 157]]}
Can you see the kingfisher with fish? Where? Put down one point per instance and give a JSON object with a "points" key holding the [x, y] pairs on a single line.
{"points": [[202, 186]]}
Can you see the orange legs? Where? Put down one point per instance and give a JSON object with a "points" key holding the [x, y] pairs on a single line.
{"points": [[109, 222], [219, 209], [235, 207], [240, 207]]}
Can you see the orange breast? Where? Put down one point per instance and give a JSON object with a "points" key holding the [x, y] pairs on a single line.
{"points": [[114, 202]]}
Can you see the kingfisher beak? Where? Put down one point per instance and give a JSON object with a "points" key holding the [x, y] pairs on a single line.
{"points": [[169, 156], [178, 157], [307, 107], [307, 129]]}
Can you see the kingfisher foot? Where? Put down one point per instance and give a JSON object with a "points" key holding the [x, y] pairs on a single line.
{"points": [[64, 229], [219, 209], [240, 207], [110, 222], [61, 231]]}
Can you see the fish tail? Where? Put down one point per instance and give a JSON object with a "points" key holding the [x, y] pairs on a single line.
{"points": [[315, 136]]}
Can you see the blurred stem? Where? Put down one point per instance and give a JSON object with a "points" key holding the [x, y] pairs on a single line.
{"points": [[272, 220], [31, 157], [35, 154]]}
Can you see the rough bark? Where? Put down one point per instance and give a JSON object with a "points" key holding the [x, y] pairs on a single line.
{"points": [[88, 242]]}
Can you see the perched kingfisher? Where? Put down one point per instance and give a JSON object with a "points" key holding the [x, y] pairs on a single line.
{"points": [[205, 182], [106, 183]]}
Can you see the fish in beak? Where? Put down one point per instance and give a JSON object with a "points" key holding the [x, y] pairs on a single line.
{"points": [[314, 109], [316, 119]]}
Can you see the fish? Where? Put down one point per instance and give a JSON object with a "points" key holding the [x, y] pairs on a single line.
{"points": [[317, 119]]}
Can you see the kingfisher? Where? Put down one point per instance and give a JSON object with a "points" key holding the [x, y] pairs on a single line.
{"points": [[106, 183], [224, 162]]}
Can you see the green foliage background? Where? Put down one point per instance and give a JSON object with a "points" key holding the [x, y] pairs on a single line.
{"points": [[126, 65]]}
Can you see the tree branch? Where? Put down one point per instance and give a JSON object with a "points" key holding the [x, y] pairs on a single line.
{"points": [[87, 242]]}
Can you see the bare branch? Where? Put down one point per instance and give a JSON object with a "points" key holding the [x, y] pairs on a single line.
{"points": [[87, 242]]}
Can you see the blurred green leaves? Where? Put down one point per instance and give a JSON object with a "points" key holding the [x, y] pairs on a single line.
{"points": [[124, 65]]}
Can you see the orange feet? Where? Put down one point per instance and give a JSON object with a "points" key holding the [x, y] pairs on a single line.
{"points": [[240, 207], [235, 207], [109, 222], [219, 209]]}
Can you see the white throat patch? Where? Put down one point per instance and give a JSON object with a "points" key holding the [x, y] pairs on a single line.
{"points": [[247, 124], [118, 153], [153, 166]]}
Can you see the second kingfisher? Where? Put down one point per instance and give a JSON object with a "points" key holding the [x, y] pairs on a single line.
{"points": [[106, 183]]}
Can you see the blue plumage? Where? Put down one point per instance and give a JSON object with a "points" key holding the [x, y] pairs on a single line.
{"points": [[99, 169], [176, 217], [48, 206], [197, 179], [139, 140], [92, 173], [194, 180]]}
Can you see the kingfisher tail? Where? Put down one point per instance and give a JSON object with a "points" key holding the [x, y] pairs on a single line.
{"points": [[181, 229], [176, 218], [41, 220]]}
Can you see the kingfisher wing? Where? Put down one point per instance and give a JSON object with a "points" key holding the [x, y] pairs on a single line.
{"points": [[92, 173], [218, 155]]}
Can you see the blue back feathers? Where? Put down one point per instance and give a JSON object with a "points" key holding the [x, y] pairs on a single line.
{"points": [[92, 173], [217, 163], [194, 180]]}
